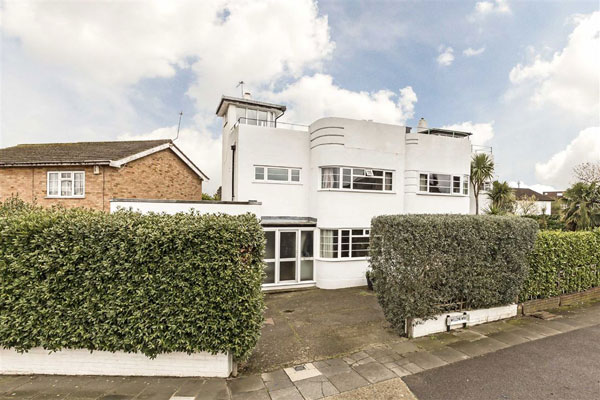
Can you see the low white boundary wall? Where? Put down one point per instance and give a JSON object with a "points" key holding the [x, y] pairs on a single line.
{"points": [[84, 362], [174, 206], [418, 328]]}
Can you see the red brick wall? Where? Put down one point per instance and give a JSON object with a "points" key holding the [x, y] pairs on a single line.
{"points": [[161, 175]]}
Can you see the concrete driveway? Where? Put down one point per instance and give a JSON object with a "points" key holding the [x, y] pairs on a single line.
{"points": [[317, 324]]}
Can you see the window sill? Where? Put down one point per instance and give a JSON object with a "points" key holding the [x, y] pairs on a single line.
{"points": [[356, 191], [342, 259], [442, 194], [64, 197], [277, 183]]}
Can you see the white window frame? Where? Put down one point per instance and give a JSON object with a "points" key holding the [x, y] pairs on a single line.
{"points": [[269, 122], [289, 180], [366, 233], [463, 179], [60, 179], [368, 172], [299, 258]]}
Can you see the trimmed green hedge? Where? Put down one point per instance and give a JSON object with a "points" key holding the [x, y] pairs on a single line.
{"points": [[425, 264], [78, 279], [563, 262]]}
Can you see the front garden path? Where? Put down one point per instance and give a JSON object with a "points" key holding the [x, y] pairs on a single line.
{"points": [[367, 367]]}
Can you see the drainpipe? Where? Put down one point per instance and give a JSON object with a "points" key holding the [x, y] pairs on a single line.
{"points": [[232, 172], [276, 118]]}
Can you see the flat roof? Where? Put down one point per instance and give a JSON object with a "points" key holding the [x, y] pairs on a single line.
{"points": [[226, 100]]}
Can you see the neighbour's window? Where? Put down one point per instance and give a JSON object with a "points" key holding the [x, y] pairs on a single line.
{"points": [[66, 184], [276, 174], [344, 243], [443, 183], [344, 178]]}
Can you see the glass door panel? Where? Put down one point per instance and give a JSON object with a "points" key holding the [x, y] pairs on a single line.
{"points": [[270, 257], [287, 255]]}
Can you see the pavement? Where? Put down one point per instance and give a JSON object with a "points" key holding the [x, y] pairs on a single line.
{"points": [[372, 372], [565, 366]]}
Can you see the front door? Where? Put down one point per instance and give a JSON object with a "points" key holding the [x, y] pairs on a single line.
{"points": [[288, 256]]}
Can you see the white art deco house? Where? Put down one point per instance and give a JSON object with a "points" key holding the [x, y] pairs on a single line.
{"points": [[319, 186]]}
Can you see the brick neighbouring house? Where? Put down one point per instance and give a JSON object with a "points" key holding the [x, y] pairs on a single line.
{"points": [[89, 174]]}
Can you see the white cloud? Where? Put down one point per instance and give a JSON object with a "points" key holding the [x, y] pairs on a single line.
{"points": [[569, 79], [198, 144], [313, 97], [558, 170], [482, 132], [485, 8], [446, 56], [470, 52]]}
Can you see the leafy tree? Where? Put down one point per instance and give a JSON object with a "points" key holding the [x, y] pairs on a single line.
{"points": [[527, 206], [588, 172], [582, 211], [482, 171], [502, 198]]}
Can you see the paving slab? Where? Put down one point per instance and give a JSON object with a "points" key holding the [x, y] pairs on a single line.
{"points": [[405, 347], [316, 388], [449, 354], [213, 389], [559, 325], [300, 372], [478, 347], [374, 372], [348, 381], [246, 384], [509, 337], [467, 334], [290, 393], [334, 366], [256, 395], [8, 383], [412, 368], [276, 380], [543, 329], [425, 360], [394, 389]]}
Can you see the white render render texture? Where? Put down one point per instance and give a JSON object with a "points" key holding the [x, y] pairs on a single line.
{"points": [[320, 186]]}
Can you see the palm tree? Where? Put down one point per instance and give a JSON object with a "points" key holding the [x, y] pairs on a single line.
{"points": [[482, 171], [582, 206], [502, 197]]}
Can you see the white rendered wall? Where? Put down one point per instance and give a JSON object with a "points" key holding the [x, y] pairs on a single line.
{"points": [[84, 362], [354, 143], [337, 274], [438, 154], [278, 148], [476, 317], [170, 207]]}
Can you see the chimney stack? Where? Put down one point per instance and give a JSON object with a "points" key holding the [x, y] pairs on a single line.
{"points": [[247, 95], [422, 126]]}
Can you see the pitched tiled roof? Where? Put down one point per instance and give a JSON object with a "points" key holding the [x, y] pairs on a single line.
{"points": [[75, 153], [521, 193]]}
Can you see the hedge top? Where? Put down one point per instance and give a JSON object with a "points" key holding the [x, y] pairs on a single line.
{"points": [[136, 283]]}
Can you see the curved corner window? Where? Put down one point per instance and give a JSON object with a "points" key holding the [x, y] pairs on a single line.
{"points": [[346, 178]]}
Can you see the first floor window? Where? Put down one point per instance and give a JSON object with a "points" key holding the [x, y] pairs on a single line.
{"points": [[344, 243], [276, 174], [346, 178], [66, 184], [443, 183]]}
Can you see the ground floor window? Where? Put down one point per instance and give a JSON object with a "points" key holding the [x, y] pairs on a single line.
{"points": [[345, 243], [289, 255]]}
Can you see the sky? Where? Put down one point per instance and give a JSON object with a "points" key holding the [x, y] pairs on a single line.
{"points": [[523, 76]]}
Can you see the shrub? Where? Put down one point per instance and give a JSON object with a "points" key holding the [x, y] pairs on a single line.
{"points": [[563, 262], [425, 264], [548, 222], [78, 279]]}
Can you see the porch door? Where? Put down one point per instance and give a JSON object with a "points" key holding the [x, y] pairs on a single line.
{"points": [[288, 255]]}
